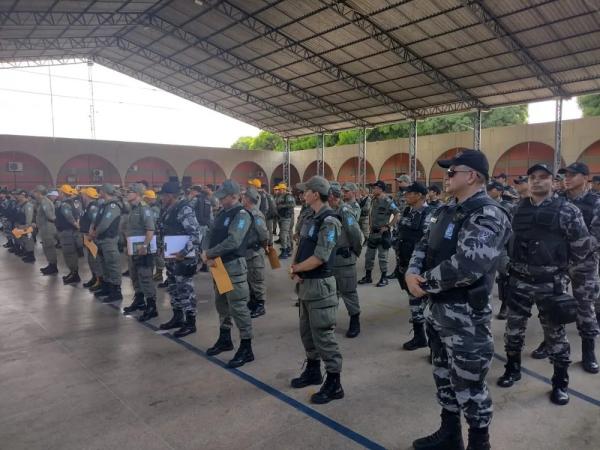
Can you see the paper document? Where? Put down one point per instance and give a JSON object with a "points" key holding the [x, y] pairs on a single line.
{"points": [[91, 246], [19, 233], [273, 258], [174, 244], [221, 277], [134, 242]]}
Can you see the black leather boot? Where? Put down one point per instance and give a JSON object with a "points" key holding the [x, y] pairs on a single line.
{"points": [[114, 294], [258, 310], [419, 339], [540, 352], [175, 322], [223, 343], [560, 385], [138, 304], [310, 375], [383, 281], [150, 312], [243, 355], [50, 269], [479, 439], [188, 327], [354, 327], [331, 390], [103, 291], [72, 278], [590, 364], [366, 279], [512, 372], [90, 283], [29, 257], [448, 437], [97, 285]]}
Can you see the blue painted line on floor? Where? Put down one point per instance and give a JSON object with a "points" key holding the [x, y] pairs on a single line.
{"points": [[546, 380], [327, 421]]}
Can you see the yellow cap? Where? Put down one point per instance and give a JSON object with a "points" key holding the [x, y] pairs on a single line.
{"points": [[68, 190], [281, 186], [255, 182], [90, 192], [150, 194]]}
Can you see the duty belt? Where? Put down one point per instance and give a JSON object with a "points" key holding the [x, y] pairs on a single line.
{"points": [[534, 279]]}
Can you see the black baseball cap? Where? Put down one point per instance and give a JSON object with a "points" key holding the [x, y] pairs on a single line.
{"points": [[596, 178], [170, 187], [474, 159], [539, 166], [576, 167], [417, 187], [521, 179], [380, 184], [501, 175], [495, 185], [435, 189]]}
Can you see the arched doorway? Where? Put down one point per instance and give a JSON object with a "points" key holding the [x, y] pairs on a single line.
{"points": [[247, 170], [436, 176], [204, 171], [311, 171], [277, 176], [349, 172], [22, 171], [591, 156], [88, 169], [396, 165], [155, 171], [517, 159]]}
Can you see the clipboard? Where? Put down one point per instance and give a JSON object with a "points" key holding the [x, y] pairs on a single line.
{"points": [[133, 242], [221, 277], [91, 246], [18, 233], [273, 258], [174, 244]]}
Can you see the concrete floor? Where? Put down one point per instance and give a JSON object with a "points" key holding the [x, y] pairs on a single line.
{"points": [[76, 374]]}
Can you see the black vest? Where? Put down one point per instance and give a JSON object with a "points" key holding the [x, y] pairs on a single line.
{"points": [[113, 230], [20, 214], [537, 239], [309, 236], [409, 235], [443, 238], [586, 206], [86, 219], [203, 211], [220, 231], [171, 226], [62, 224]]}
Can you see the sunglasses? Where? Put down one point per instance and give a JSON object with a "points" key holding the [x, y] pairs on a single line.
{"points": [[452, 172]]}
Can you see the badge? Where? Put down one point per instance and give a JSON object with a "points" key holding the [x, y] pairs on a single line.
{"points": [[449, 231], [226, 223], [241, 224], [331, 236], [312, 230], [434, 220]]}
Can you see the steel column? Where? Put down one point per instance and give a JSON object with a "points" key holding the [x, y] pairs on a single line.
{"points": [[412, 150], [477, 130], [286, 163], [558, 134], [321, 154], [362, 158]]}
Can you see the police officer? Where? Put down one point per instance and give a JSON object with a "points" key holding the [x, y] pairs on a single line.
{"points": [[24, 220], [433, 196], [228, 240], [202, 207], [402, 183], [349, 191], [258, 240], [454, 264], [140, 259], [365, 211], [596, 183], [285, 211], [347, 249], [159, 261], [67, 224], [522, 186], [313, 270], [89, 198], [105, 232], [549, 236], [44, 221], [179, 219], [380, 239], [412, 226], [271, 214]]}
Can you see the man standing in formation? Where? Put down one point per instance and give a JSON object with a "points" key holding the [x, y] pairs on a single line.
{"points": [[285, 211], [67, 224], [24, 220], [89, 198], [365, 212], [45, 222]]}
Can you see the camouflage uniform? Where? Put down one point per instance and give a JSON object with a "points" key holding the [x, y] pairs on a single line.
{"points": [[459, 330], [106, 227], [365, 211], [285, 210], [381, 210], [45, 219], [258, 239], [159, 260], [66, 224], [25, 215], [87, 219], [141, 220]]}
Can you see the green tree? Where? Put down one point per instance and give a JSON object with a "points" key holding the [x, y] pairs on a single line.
{"points": [[589, 104], [267, 141], [243, 143]]}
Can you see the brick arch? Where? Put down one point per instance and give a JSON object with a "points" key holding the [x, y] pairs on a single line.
{"points": [[277, 175], [88, 169], [397, 164], [33, 171], [155, 171], [311, 170], [591, 156], [246, 170], [517, 159], [349, 171], [205, 171], [436, 175]]}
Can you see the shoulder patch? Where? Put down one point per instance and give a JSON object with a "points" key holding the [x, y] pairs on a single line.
{"points": [[332, 220]]}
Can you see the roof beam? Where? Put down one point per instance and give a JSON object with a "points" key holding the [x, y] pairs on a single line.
{"points": [[43, 44], [261, 27], [371, 28], [32, 18], [487, 18]]}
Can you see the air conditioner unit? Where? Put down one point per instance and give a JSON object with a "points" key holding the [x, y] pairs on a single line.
{"points": [[98, 173], [14, 166]]}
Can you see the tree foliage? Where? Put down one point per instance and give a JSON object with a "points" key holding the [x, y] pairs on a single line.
{"points": [[589, 104], [499, 117]]}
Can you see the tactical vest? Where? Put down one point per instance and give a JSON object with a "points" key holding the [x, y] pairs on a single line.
{"points": [[363, 212], [62, 224], [443, 238], [113, 230], [252, 238], [86, 219], [410, 234], [586, 206], [285, 212], [171, 226], [309, 236], [537, 238], [203, 211], [220, 231]]}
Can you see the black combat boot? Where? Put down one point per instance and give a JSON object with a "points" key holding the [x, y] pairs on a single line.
{"points": [[503, 312], [188, 327], [419, 340], [590, 364], [366, 279], [29, 257], [560, 385], [223, 344], [12, 250], [394, 275], [331, 390], [96, 286], [150, 312], [50, 269], [114, 294], [541, 352], [258, 310], [90, 283], [125, 274], [138, 304], [512, 373], [104, 290], [448, 437], [72, 278], [479, 439], [283, 254], [354, 327], [310, 375], [175, 322], [164, 284], [383, 281], [243, 355]]}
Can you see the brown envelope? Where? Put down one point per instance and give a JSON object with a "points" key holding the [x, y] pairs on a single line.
{"points": [[221, 277]]}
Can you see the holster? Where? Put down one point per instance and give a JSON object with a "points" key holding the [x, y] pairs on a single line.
{"points": [[143, 260], [386, 239], [186, 268], [478, 297], [561, 307]]}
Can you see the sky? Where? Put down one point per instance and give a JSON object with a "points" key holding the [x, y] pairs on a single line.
{"points": [[129, 110]]}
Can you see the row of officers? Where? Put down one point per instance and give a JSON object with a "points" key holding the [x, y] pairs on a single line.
{"points": [[448, 256]]}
